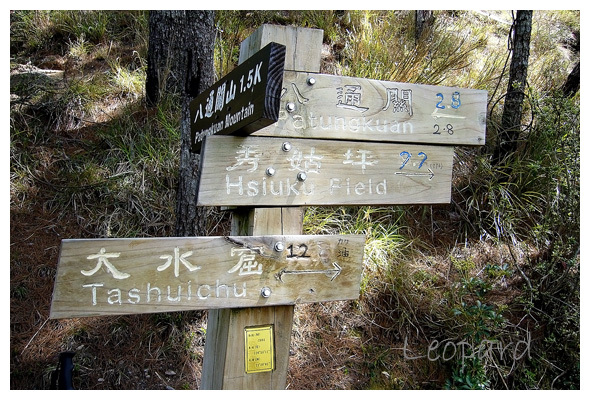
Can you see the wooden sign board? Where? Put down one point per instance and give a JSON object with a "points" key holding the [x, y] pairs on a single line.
{"points": [[258, 171], [132, 276], [245, 100], [338, 107]]}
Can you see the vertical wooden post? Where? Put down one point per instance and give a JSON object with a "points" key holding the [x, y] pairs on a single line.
{"points": [[224, 360]]}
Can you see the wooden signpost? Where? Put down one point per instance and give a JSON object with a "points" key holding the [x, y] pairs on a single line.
{"points": [[257, 171], [289, 168], [297, 138], [245, 100], [132, 276], [225, 345], [337, 107]]}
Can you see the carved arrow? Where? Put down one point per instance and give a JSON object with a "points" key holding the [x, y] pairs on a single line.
{"points": [[436, 115], [429, 173], [332, 273]]}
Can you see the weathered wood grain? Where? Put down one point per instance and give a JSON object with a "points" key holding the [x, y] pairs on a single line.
{"points": [[257, 171], [132, 276], [224, 360], [303, 45], [346, 108]]}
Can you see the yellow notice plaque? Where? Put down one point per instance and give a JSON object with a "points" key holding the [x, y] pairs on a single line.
{"points": [[259, 347]]}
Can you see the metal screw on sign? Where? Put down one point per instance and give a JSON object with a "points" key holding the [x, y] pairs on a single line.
{"points": [[290, 107], [311, 80], [302, 176], [265, 292], [270, 171], [279, 246], [286, 146]]}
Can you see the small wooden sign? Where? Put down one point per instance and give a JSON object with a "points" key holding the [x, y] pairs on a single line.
{"points": [[338, 107], [132, 276], [257, 171], [245, 100]]}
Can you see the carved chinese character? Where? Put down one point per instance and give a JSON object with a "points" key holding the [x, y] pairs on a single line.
{"points": [[231, 92], [308, 162], [363, 158], [103, 257], [178, 258], [246, 155], [220, 98], [399, 101], [349, 97], [247, 264], [210, 104]]}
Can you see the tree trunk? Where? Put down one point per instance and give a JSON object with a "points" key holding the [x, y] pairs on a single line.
{"points": [[424, 22], [572, 84], [512, 115], [180, 61]]}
